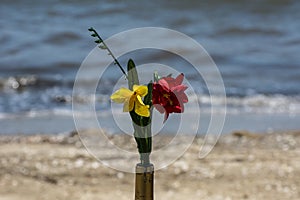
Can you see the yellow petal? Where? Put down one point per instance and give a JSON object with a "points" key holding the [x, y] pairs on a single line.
{"points": [[141, 90], [121, 95], [140, 108], [126, 106], [131, 102]]}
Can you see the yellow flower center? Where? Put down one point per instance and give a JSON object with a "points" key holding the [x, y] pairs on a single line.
{"points": [[167, 96]]}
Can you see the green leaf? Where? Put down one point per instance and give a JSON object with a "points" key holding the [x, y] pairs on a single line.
{"points": [[132, 74]]}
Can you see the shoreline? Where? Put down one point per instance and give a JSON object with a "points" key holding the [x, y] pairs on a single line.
{"points": [[57, 123], [242, 165]]}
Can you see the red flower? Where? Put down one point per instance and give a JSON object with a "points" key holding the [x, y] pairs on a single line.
{"points": [[168, 95]]}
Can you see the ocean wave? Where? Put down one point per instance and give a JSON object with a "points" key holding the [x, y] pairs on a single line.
{"points": [[18, 81], [258, 103], [62, 38], [248, 31], [26, 81]]}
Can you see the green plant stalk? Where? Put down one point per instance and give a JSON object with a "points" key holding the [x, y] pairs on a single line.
{"points": [[141, 125], [99, 41]]}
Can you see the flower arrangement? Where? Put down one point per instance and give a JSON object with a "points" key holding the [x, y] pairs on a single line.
{"points": [[165, 94]]}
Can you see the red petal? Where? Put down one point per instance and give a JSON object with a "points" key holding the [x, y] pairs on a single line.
{"points": [[179, 88], [166, 116], [164, 84], [171, 81], [179, 79], [184, 98], [160, 108]]}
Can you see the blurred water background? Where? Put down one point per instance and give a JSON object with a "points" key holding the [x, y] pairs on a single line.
{"points": [[255, 45]]}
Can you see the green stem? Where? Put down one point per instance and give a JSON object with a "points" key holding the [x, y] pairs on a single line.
{"points": [[145, 158], [95, 34]]}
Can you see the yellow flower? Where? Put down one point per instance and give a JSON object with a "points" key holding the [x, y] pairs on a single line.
{"points": [[132, 99]]}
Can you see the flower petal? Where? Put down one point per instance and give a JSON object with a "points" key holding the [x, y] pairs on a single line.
{"points": [[164, 84], [131, 102], [160, 108], [179, 88], [179, 79], [184, 98], [166, 117], [141, 90], [126, 106], [140, 108], [121, 95]]}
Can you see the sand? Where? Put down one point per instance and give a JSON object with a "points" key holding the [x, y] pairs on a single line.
{"points": [[242, 165]]}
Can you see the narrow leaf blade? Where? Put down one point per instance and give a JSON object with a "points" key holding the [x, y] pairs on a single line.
{"points": [[132, 74]]}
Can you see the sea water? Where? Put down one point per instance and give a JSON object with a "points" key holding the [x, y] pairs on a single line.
{"points": [[255, 45]]}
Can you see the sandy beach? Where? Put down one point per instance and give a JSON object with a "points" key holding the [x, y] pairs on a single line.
{"points": [[242, 165], [240, 62]]}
